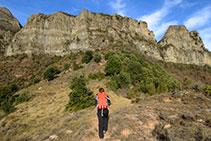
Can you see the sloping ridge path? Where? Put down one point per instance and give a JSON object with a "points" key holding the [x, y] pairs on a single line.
{"points": [[117, 102]]}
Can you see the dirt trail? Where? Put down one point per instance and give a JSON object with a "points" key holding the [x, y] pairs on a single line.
{"points": [[117, 102]]}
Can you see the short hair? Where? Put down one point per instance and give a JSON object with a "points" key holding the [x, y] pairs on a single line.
{"points": [[101, 90]]}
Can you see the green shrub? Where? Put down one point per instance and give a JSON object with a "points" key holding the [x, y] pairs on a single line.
{"points": [[135, 70], [66, 66], [7, 106], [112, 84], [134, 92], [77, 39], [108, 55], [7, 97], [188, 83], [55, 59], [173, 84], [99, 75], [36, 80], [87, 57], [89, 76], [50, 73], [22, 97], [97, 58], [207, 90], [76, 66], [122, 79], [113, 65], [162, 87], [80, 97], [151, 89], [94, 76]]}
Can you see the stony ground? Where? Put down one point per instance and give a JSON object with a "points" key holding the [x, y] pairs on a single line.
{"points": [[175, 116]]}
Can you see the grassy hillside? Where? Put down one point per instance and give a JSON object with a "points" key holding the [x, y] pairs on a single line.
{"points": [[159, 110], [149, 118]]}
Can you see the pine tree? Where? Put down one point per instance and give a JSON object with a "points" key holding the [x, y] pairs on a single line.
{"points": [[151, 89], [162, 87], [80, 97], [113, 65]]}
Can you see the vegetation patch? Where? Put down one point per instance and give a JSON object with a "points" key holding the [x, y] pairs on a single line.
{"points": [[77, 66], [22, 97], [50, 73], [207, 91], [87, 57], [97, 58], [7, 97], [126, 69], [97, 75], [80, 97], [66, 66], [36, 80]]}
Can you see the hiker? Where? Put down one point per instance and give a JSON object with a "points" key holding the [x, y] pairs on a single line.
{"points": [[102, 102]]}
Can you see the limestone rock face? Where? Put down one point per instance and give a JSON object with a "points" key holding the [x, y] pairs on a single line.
{"points": [[8, 27], [42, 34], [181, 46], [59, 33]]}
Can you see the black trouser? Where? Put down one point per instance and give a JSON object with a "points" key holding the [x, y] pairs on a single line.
{"points": [[103, 121]]}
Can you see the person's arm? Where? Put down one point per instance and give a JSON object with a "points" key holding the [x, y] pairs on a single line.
{"points": [[96, 101], [108, 101]]}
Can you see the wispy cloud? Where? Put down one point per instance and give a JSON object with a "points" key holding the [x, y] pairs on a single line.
{"points": [[155, 20], [186, 4], [119, 7], [206, 36], [73, 10], [200, 18], [163, 27]]}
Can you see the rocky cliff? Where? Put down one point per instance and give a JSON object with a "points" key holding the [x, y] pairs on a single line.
{"points": [[181, 46], [8, 27], [60, 33]]}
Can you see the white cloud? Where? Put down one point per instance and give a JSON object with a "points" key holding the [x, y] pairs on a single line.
{"points": [[73, 10], [200, 18], [118, 6], [186, 4], [206, 37], [155, 19], [162, 28]]}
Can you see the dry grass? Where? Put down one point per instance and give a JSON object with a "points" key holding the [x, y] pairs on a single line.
{"points": [[44, 115]]}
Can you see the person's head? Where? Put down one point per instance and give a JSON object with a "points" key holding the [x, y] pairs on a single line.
{"points": [[101, 90]]}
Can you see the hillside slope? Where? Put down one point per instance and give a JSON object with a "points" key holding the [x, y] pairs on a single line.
{"points": [[161, 117]]}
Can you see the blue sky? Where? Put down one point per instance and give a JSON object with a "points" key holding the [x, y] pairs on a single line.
{"points": [[159, 14]]}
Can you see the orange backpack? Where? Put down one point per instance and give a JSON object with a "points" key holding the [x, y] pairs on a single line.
{"points": [[102, 100]]}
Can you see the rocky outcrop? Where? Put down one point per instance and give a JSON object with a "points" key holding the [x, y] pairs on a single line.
{"points": [[8, 27], [60, 33], [181, 46]]}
